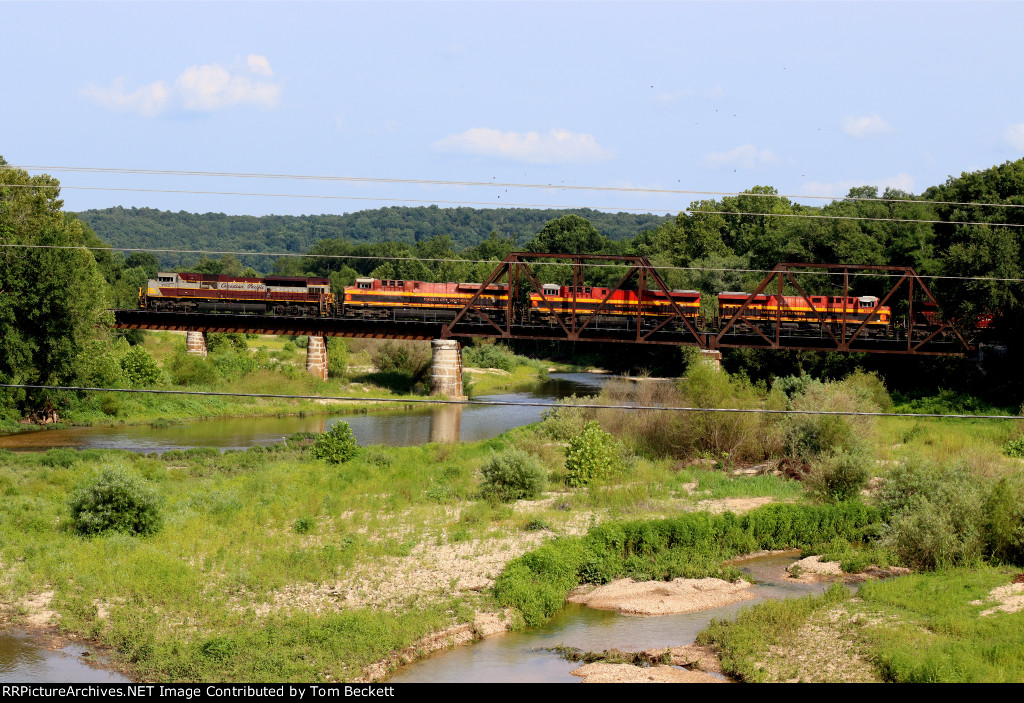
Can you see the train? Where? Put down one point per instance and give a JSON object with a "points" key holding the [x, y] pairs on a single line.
{"points": [[206, 292], [397, 299]]}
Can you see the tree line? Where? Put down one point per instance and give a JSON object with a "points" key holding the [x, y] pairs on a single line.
{"points": [[53, 302]]}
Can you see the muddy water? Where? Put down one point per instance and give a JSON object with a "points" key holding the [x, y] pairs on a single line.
{"points": [[523, 657], [23, 661], [406, 427]]}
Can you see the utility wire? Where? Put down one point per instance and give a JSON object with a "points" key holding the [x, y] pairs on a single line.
{"points": [[596, 406], [491, 184], [617, 265], [525, 205]]}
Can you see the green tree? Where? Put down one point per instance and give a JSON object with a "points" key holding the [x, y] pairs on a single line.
{"points": [[570, 234], [50, 299]]}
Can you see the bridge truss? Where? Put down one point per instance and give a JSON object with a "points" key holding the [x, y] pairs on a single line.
{"points": [[915, 329]]}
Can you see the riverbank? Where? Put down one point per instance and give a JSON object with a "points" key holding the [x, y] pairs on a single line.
{"points": [[268, 545]]}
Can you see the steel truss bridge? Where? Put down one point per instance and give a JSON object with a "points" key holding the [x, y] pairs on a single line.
{"points": [[572, 324]]}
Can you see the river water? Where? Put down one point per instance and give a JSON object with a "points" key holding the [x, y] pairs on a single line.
{"points": [[22, 660], [419, 425], [524, 657]]}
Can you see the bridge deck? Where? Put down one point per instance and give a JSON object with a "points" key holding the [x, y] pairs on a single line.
{"points": [[434, 329]]}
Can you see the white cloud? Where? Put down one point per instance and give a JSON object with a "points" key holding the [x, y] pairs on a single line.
{"points": [[1015, 135], [746, 156], [197, 88], [866, 126], [149, 100], [557, 146], [259, 65], [901, 181]]}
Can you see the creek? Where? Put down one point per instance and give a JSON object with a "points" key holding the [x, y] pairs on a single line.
{"points": [[22, 660], [525, 657]]}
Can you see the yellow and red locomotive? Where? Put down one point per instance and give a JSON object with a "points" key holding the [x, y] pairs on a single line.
{"points": [[620, 308], [375, 298], [799, 314], [206, 292]]}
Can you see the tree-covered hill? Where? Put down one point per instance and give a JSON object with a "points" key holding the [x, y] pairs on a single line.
{"points": [[156, 229]]}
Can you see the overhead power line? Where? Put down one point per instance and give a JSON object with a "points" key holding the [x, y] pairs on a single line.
{"points": [[548, 404], [489, 184], [609, 264], [525, 205]]}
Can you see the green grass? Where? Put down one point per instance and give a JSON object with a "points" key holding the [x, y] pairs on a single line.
{"points": [[229, 547], [743, 644], [929, 631]]}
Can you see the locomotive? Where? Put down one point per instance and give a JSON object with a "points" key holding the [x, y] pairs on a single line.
{"points": [[795, 315], [207, 292], [621, 307], [375, 298]]}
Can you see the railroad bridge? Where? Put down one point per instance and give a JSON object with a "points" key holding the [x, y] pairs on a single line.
{"points": [[916, 333]]}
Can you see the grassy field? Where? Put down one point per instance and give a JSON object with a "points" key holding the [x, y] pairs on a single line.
{"points": [[272, 565]]}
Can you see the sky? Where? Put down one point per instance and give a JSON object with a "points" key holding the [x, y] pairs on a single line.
{"points": [[811, 98]]}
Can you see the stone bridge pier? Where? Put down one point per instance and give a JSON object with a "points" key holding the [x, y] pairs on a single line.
{"points": [[195, 343], [316, 357], [446, 369]]}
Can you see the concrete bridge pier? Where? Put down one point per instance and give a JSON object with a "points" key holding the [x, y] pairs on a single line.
{"points": [[195, 343], [712, 358], [446, 369], [316, 357]]}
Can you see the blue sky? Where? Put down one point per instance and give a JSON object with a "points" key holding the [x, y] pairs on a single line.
{"points": [[811, 98]]}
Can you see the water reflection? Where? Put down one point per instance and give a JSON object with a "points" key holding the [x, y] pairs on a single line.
{"points": [[418, 424]]}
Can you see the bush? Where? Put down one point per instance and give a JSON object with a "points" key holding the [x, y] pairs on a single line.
{"points": [[936, 515], [492, 356], [1004, 522], [190, 370], [838, 477], [139, 368], [337, 445], [407, 358], [115, 501], [1014, 448], [337, 357], [593, 454], [513, 475], [807, 437]]}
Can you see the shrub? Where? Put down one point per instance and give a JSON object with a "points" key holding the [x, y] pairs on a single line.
{"points": [[1014, 448], [593, 454], [337, 357], [337, 445], [218, 341], [513, 475], [935, 515], [807, 437], [115, 501], [140, 369], [492, 356], [1004, 522], [190, 370], [839, 476], [303, 525], [405, 358]]}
